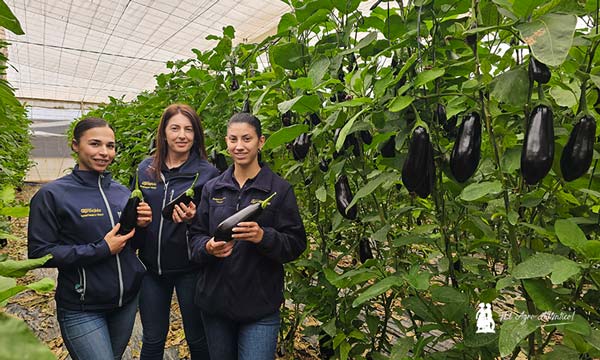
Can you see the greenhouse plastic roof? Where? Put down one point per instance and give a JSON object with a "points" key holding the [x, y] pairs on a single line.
{"points": [[87, 50]]}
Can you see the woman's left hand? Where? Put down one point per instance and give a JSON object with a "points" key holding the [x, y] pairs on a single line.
{"points": [[248, 231], [184, 213], [144, 214]]}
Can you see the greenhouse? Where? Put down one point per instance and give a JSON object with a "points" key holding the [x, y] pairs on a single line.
{"points": [[299, 179]]}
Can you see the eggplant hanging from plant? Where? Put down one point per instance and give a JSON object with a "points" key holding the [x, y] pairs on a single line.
{"points": [[366, 137], [466, 152], [343, 198], [577, 155], [364, 250], [538, 71], [234, 83], [218, 160], [286, 118], [246, 106], [538, 147], [128, 218], [185, 197], [249, 213], [439, 115], [315, 119], [324, 165], [388, 150], [349, 141], [300, 146], [417, 168]]}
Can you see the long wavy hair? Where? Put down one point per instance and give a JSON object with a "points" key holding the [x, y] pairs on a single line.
{"points": [[162, 148]]}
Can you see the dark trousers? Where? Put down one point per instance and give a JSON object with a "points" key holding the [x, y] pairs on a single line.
{"points": [[155, 309]]}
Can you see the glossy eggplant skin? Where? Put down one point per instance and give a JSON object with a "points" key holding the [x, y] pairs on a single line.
{"points": [[538, 71], [343, 197], [246, 107], [300, 146], [234, 84], [416, 167], [315, 119], [364, 250], [167, 211], [538, 147], [128, 218], [218, 160], [466, 152], [286, 118], [324, 165], [388, 150], [576, 157], [366, 137], [426, 186], [439, 115], [250, 213]]}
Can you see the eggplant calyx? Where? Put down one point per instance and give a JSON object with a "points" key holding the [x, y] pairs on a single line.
{"points": [[265, 202], [190, 191]]}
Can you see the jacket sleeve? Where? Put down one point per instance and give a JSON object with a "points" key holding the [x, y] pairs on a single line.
{"points": [[287, 241], [199, 230], [43, 237]]}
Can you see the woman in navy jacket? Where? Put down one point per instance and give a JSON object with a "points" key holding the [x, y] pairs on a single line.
{"points": [[240, 286], [76, 219], [179, 160]]}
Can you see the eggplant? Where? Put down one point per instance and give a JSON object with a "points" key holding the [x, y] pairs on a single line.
{"points": [[466, 152], [439, 115], [246, 106], [315, 119], [324, 165], [388, 150], [249, 213], [343, 197], [349, 141], [218, 160], [366, 137], [576, 157], [426, 186], [300, 146], [415, 169], [538, 148], [234, 84], [185, 197], [339, 96], [364, 250], [538, 71], [286, 118], [128, 218]]}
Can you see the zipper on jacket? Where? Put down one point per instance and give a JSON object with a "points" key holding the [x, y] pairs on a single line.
{"points": [[112, 222], [80, 287], [160, 226]]}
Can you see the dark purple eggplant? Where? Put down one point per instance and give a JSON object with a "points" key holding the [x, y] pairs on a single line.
{"points": [[249, 213], [343, 198], [246, 106], [315, 119], [324, 165], [366, 137], [364, 250], [234, 84], [538, 147], [439, 115], [128, 218], [300, 146], [286, 118], [426, 186], [576, 157], [185, 197], [415, 169], [349, 141], [538, 71], [466, 152], [218, 160], [388, 150]]}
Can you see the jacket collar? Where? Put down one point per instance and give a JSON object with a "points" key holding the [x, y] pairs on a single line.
{"points": [[262, 181], [91, 177]]}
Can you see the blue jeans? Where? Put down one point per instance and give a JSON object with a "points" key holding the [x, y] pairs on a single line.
{"points": [[155, 310], [230, 340], [97, 335]]}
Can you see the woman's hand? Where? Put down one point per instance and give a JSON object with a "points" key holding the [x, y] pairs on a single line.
{"points": [[183, 213], [248, 231], [116, 242], [219, 248], [144, 214]]}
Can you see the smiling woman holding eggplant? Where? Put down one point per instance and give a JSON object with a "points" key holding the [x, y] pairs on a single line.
{"points": [[76, 220], [171, 181], [242, 252]]}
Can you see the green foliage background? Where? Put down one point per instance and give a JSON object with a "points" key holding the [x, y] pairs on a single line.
{"points": [[493, 239]]}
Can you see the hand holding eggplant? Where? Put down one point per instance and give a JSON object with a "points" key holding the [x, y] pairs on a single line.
{"points": [[219, 248], [248, 231], [115, 241], [183, 212], [144, 214]]}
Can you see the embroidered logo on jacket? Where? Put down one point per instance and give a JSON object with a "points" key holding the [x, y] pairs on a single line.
{"points": [[148, 185], [219, 200], [91, 212]]}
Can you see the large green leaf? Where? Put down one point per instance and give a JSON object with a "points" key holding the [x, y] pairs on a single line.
{"points": [[289, 56], [318, 69], [346, 129], [6, 283], [17, 341], [569, 234], [427, 76], [377, 289], [550, 37], [478, 190], [512, 332], [512, 87], [448, 295], [346, 6], [284, 135], [302, 104], [8, 20], [400, 103], [15, 211], [542, 264], [372, 186], [18, 268], [543, 297]]}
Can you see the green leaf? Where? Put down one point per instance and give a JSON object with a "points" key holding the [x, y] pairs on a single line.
{"points": [[400, 103], [448, 295], [286, 22], [372, 186], [427, 76], [42, 286], [346, 6], [302, 104], [284, 135], [564, 269], [321, 194], [542, 264], [6, 283], [563, 97], [579, 325], [289, 56], [364, 42], [569, 234], [550, 37], [318, 69], [15, 211], [511, 87], [478, 190], [512, 332], [316, 18], [13, 268], [418, 280], [8, 20], [543, 297], [591, 250], [302, 83], [7, 193], [17, 341], [346, 129], [377, 289]]}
